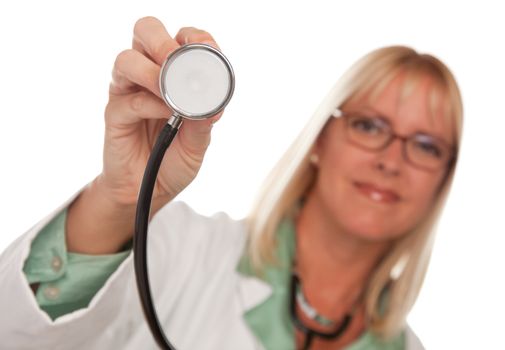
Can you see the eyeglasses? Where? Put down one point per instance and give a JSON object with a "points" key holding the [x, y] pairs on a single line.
{"points": [[423, 151]]}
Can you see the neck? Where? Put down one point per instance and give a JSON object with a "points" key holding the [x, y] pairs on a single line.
{"points": [[334, 265]]}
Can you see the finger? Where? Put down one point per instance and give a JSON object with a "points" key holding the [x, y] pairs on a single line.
{"points": [[208, 123], [130, 109], [131, 70], [189, 35], [215, 118], [151, 38]]}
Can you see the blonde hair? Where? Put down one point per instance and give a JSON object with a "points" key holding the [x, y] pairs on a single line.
{"points": [[404, 266]]}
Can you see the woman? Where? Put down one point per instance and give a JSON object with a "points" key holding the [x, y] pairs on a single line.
{"points": [[337, 242], [370, 198]]}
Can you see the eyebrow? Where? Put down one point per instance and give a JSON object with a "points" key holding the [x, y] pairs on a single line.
{"points": [[388, 120]]}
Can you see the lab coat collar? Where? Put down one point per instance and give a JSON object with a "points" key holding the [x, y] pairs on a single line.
{"points": [[264, 297], [255, 288]]}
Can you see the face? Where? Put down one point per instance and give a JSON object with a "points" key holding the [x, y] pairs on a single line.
{"points": [[343, 167]]}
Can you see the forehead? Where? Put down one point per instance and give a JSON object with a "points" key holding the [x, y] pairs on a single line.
{"points": [[411, 102]]}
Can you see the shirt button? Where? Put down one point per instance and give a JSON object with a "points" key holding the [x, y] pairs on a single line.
{"points": [[56, 263], [51, 292]]}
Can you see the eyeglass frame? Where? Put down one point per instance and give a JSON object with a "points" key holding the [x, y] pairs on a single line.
{"points": [[338, 113]]}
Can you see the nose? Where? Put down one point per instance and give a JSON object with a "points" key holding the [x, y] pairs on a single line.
{"points": [[390, 158]]}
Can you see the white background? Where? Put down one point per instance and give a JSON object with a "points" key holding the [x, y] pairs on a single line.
{"points": [[56, 59]]}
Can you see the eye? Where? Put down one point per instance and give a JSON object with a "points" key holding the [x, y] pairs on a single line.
{"points": [[365, 125], [429, 148]]}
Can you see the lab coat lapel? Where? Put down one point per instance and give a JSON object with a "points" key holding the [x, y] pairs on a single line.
{"points": [[253, 291], [264, 299]]}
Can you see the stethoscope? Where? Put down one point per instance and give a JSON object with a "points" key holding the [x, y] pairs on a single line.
{"points": [[197, 82]]}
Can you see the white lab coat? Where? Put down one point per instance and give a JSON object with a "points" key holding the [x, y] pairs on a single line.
{"points": [[199, 295]]}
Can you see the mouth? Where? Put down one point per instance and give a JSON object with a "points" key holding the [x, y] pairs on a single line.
{"points": [[377, 194]]}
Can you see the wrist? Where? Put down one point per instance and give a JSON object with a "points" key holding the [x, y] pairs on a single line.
{"points": [[96, 224], [118, 201]]}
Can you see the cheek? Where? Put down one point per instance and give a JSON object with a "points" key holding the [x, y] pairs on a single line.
{"points": [[422, 192], [336, 173], [340, 160]]}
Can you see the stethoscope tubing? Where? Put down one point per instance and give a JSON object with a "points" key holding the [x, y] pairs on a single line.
{"points": [[163, 141], [309, 332]]}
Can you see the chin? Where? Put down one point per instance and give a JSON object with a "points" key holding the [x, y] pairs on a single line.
{"points": [[367, 223], [367, 232]]}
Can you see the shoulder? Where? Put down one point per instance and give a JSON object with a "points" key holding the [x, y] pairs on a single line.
{"points": [[412, 342], [178, 215], [177, 226]]}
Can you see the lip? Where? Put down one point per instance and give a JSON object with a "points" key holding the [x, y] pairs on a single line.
{"points": [[376, 193]]}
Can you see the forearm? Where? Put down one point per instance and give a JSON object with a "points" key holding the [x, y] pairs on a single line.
{"points": [[95, 225]]}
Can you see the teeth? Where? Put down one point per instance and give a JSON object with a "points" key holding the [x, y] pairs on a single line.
{"points": [[376, 196]]}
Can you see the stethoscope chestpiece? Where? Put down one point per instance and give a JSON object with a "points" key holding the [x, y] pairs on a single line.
{"points": [[196, 81]]}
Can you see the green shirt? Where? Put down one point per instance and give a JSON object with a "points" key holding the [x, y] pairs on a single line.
{"points": [[68, 282]]}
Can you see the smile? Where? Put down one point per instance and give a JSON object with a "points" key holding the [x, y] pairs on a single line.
{"points": [[376, 194]]}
